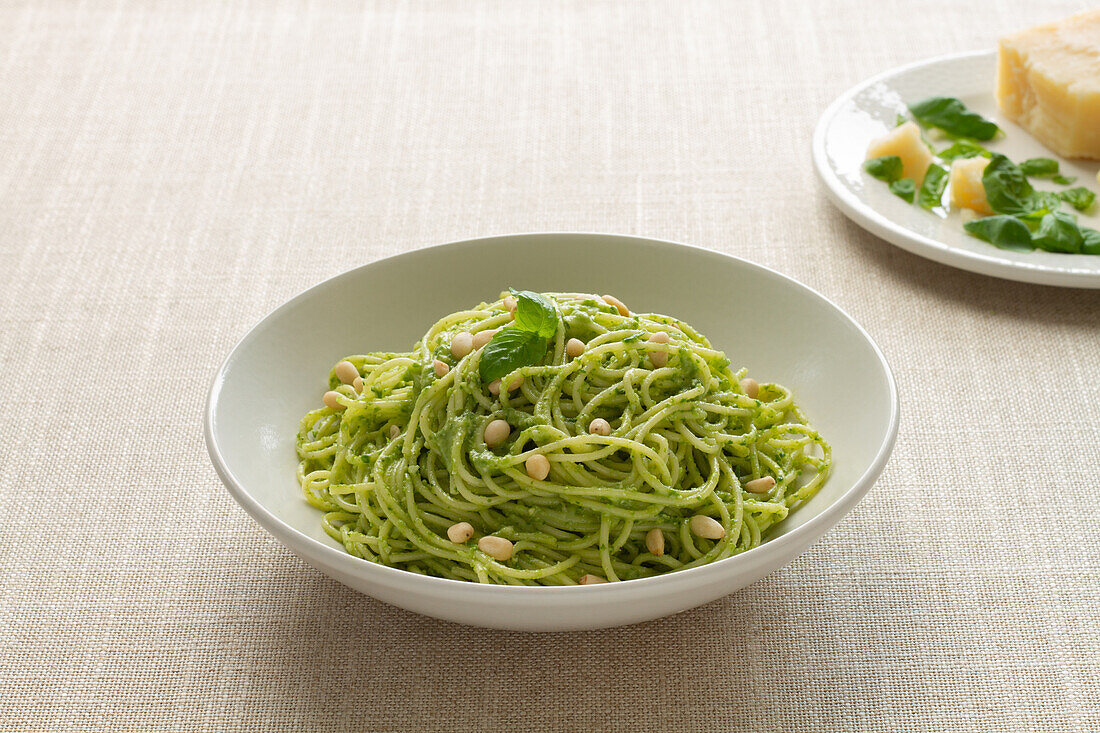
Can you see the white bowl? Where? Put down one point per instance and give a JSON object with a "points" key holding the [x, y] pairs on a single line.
{"points": [[781, 330]]}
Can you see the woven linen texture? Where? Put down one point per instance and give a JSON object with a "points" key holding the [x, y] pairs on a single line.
{"points": [[169, 172]]}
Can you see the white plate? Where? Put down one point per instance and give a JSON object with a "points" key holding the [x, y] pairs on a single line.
{"points": [[869, 110], [780, 330]]}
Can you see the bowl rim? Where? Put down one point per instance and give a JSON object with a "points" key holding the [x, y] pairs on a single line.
{"points": [[300, 543]]}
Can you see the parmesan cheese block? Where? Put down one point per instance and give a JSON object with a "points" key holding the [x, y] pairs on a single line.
{"points": [[1048, 82], [967, 189], [905, 142]]}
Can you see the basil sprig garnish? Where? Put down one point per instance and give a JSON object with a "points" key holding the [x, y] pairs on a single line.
{"points": [[525, 341], [535, 312]]}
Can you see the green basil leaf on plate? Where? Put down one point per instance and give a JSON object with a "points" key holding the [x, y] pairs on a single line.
{"points": [[1046, 202], [963, 149], [1008, 192], [1090, 241], [1006, 232], [931, 190], [1039, 167], [1079, 198], [887, 168], [1058, 232], [906, 188], [953, 117]]}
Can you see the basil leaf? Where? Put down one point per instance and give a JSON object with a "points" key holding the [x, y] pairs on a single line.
{"points": [[963, 149], [508, 350], [1079, 198], [906, 188], [636, 336], [1008, 191], [887, 168], [1062, 180], [900, 120], [535, 313], [1090, 244], [952, 116], [1006, 232], [931, 190], [1046, 202], [1039, 167], [1058, 232]]}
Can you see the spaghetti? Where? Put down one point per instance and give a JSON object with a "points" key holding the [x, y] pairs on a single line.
{"points": [[697, 462]]}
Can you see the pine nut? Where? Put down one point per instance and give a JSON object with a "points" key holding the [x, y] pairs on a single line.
{"points": [[599, 426], [496, 432], [462, 344], [655, 541], [483, 337], [394, 432], [346, 372], [459, 533], [357, 384], [510, 304], [538, 467], [497, 548], [590, 579], [440, 367], [332, 400], [619, 305], [494, 386], [574, 348], [760, 485], [706, 527], [659, 358], [750, 387]]}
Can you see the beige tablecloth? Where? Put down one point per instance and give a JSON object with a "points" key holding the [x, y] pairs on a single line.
{"points": [[169, 172]]}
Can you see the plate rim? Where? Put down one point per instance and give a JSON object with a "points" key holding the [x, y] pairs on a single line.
{"points": [[308, 547], [885, 228]]}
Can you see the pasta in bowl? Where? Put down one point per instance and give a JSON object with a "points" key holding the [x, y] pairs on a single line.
{"points": [[526, 503], [554, 439]]}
